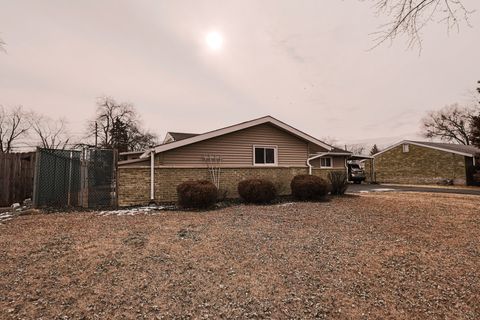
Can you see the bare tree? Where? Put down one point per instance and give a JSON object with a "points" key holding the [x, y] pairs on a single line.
{"points": [[2, 45], [329, 140], [124, 115], [52, 134], [355, 148], [109, 111], [409, 17], [451, 123], [13, 126]]}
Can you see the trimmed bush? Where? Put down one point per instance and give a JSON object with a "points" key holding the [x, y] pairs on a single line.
{"points": [[257, 191], [200, 194], [309, 187], [338, 182]]}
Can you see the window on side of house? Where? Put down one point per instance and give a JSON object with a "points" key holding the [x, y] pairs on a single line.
{"points": [[405, 147], [326, 162], [264, 155]]}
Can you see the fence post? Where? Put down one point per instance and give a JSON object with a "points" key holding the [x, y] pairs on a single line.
{"points": [[84, 178], [115, 179], [36, 172], [70, 179]]}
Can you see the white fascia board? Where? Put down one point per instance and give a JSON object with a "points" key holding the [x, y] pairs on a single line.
{"points": [[423, 145], [237, 127]]}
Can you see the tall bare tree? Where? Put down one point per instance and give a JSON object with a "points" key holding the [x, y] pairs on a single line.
{"points": [[451, 123], [409, 17], [2, 45], [14, 125], [51, 134], [112, 115], [356, 148], [475, 121]]}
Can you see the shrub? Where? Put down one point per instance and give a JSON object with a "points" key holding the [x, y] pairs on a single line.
{"points": [[338, 182], [198, 194], [309, 187], [257, 191]]}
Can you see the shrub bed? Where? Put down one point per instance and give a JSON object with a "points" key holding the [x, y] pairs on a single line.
{"points": [[309, 187], [200, 194], [338, 182], [257, 191]]}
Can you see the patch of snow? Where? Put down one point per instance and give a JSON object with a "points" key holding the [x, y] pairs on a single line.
{"points": [[5, 215], [135, 211], [286, 204]]}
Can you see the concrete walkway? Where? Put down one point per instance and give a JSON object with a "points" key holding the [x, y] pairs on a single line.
{"points": [[367, 188]]}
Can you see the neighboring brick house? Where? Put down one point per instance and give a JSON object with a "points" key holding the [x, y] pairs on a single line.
{"points": [[416, 162], [260, 148]]}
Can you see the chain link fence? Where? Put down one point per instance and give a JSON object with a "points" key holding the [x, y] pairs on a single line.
{"points": [[72, 178]]}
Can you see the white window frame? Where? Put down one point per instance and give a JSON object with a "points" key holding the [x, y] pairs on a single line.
{"points": [[331, 162], [275, 155], [405, 148]]}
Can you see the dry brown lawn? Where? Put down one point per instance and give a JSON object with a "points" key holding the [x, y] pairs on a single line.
{"points": [[379, 256]]}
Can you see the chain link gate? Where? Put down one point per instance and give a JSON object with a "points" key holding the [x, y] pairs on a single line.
{"points": [[72, 178]]}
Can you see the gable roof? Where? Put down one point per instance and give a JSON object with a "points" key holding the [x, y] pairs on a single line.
{"points": [[234, 128], [468, 151], [177, 136]]}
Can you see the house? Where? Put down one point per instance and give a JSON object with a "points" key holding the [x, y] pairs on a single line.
{"points": [[417, 162], [260, 148]]}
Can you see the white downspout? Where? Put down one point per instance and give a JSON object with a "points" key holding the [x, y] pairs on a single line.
{"points": [[152, 175], [312, 158]]}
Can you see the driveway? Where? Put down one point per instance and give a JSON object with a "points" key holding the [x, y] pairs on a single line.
{"points": [[367, 188]]}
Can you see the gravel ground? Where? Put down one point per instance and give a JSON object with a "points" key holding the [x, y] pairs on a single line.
{"points": [[375, 256]]}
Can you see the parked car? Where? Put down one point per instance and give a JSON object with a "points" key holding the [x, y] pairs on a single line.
{"points": [[355, 173]]}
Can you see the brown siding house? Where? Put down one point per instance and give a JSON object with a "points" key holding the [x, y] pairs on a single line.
{"points": [[260, 148], [416, 162]]}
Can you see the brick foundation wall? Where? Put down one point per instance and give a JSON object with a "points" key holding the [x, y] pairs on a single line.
{"points": [[134, 182], [419, 166], [323, 173], [133, 186]]}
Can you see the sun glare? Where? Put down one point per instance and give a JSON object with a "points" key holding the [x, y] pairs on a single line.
{"points": [[214, 40]]}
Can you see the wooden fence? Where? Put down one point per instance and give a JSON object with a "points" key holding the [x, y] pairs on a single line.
{"points": [[16, 177]]}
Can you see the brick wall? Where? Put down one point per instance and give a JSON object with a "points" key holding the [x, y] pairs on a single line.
{"points": [[133, 186], [323, 173], [134, 182], [419, 166]]}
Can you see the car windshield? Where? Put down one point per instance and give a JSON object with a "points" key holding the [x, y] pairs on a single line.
{"points": [[354, 166]]}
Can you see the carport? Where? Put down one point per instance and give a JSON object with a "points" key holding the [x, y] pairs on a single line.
{"points": [[370, 160]]}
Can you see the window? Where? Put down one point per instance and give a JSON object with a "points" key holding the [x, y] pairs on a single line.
{"points": [[325, 162], [264, 155], [406, 148]]}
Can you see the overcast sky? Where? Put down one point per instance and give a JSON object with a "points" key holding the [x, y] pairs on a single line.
{"points": [[305, 62]]}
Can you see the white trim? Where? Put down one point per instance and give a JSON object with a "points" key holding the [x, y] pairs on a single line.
{"points": [[405, 147], [275, 155], [423, 145], [326, 167], [168, 138], [237, 127], [203, 167]]}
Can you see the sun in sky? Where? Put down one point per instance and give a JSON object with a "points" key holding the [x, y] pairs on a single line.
{"points": [[214, 40]]}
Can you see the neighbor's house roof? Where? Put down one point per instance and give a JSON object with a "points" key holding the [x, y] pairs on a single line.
{"points": [[234, 128], [177, 136], [468, 151]]}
